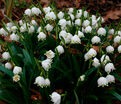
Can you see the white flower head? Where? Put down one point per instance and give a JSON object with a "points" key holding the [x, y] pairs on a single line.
{"points": [[16, 78], [78, 22], [33, 22], [119, 33], [46, 64], [79, 13], [119, 48], [80, 34], [47, 82], [8, 65], [109, 49], [71, 10], [82, 77], [101, 31], [60, 49], [35, 11], [40, 81], [105, 59], [6, 55], [95, 40], [75, 39], [39, 29], [3, 32], [102, 81], [14, 29], [9, 24], [86, 23], [110, 78], [47, 10], [50, 54], [28, 12], [17, 70], [21, 22], [111, 31], [72, 16], [60, 15], [85, 14], [31, 29], [50, 16], [117, 39], [41, 36], [62, 22], [109, 67], [55, 98], [96, 62], [88, 29], [49, 27], [62, 34], [14, 37]]}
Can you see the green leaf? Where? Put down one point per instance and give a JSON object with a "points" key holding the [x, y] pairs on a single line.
{"points": [[76, 96]]}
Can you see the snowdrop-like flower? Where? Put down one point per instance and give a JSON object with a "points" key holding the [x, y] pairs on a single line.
{"points": [[16, 78], [60, 15], [8, 65], [60, 49], [95, 40], [28, 12], [100, 19], [85, 14], [72, 16], [22, 29], [50, 54], [50, 16], [49, 27], [47, 9], [14, 37], [55, 98], [94, 24], [69, 23], [9, 24], [39, 29], [41, 36], [62, 34], [102, 81], [46, 64], [117, 39], [86, 23], [40, 81], [31, 29], [33, 22], [101, 31], [119, 33], [110, 78], [93, 17], [62, 22], [111, 31], [80, 34], [71, 10], [75, 39], [109, 67], [82, 77], [105, 59], [21, 22], [68, 38], [88, 29], [96, 62], [13, 28], [47, 82], [17, 70], [3, 32], [79, 13], [78, 22], [109, 49], [6, 55], [119, 48], [35, 11]]}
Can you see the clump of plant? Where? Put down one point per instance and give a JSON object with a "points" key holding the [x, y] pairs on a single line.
{"points": [[60, 57]]}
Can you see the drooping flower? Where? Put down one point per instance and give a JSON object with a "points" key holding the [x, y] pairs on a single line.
{"points": [[16, 78], [102, 81], [109, 49], [8, 65], [109, 67], [14, 37], [110, 78], [96, 62], [105, 59], [41, 36], [50, 54], [6, 55], [95, 40], [17, 70], [47, 82], [75, 39], [60, 49], [46, 64], [49, 27], [119, 48], [40, 81], [101, 31], [55, 98]]}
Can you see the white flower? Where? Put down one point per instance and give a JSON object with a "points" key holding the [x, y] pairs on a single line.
{"points": [[111, 31], [72, 16], [101, 31], [21, 22], [69, 23], [13, 28], [96, 62], [93, 17], [75, 39], [31, 29], [9, 24], [68, 38], [110, 78], [60, 49], [6, 55], [71, 10], [33, 22], [47, 82], [46, 64], [100, 19], [109, 49], [35, 11], [41, 36], [49, 27], [8, 65], [102, 81], [62, 22], [92, 52], [55, 98], [79, 13], [95, 40], [62, 34], [86, 23], [16, 78], [109, 67], [17, 70], [40, 81], [119, 33], [94, 24], [60, 15], [22, 29], [50, 54], [117, 39], [47, 10], [85, 14], [82, 77], [50, 16], [3, 32], [119, 48], [14, 37], [39, 29], [88, 29], [83, 30], [78, 22], [80, 34], [105, 59], [28, 12]]}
